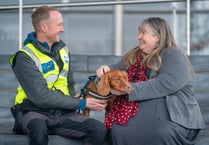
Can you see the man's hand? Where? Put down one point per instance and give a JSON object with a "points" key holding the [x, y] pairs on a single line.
{"points": [[96, 104], [77, 96]]}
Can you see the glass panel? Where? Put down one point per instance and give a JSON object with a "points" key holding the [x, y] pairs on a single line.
{"points": [[89, 30], [135, 14], [9, 32], [89, 34], [199, 27]]}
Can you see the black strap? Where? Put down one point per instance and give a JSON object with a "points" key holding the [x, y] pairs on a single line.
{"points": [[17, 113], [83, 89], [86, 91], [96, 95]]}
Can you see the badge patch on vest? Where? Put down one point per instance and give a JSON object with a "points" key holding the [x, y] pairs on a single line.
{"points": [[66, 58], [46, 67]]}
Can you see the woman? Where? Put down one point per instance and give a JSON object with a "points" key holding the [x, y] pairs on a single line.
{"points": [[162, 109]]}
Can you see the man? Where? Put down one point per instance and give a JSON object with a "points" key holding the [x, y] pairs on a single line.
{"points": [[46, 96]]}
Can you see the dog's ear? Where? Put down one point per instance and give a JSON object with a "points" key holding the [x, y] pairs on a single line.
{"points": [[103, 85]]}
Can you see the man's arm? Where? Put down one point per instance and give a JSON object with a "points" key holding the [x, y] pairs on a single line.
{"points": [[35, 86]]}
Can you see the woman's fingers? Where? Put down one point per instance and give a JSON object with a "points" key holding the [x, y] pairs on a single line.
{"points": [[102, 70]]}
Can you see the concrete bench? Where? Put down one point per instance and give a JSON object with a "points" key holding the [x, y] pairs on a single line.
{"points": [[83, 66]]}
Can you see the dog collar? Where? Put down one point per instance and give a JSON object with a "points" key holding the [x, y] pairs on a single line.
{"points": [[86, 91], [96, 95]]}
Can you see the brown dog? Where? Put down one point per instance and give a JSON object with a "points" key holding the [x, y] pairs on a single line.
{"points": [[114, 79]]}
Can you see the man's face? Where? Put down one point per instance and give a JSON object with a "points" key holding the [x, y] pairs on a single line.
{"points": [[53, 27]]}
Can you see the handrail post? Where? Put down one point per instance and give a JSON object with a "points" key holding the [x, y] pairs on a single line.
{"points": [[118, 29], [20, 22], [188, 27]]}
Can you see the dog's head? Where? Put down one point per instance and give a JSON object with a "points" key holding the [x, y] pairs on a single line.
{"points": [[115, 79]]}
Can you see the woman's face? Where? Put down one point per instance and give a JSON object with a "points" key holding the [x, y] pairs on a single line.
{"points": [[148, 40]]}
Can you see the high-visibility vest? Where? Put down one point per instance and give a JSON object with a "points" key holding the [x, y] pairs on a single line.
{"points": [[56, 78]]}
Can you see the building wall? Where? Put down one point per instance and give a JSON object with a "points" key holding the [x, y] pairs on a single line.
{"points": [[90, 30]]}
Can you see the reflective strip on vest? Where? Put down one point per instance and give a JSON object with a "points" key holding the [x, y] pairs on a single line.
{"points": [[56, 80], [49, 79]]}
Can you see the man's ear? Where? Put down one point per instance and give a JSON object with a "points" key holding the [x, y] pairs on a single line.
{"points": [[103, 85], [43, 27]]}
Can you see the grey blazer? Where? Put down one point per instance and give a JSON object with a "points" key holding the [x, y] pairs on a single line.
{"points": [[173, 81]]}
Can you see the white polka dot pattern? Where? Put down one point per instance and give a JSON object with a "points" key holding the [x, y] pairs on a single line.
{"points": [[123, 110]]}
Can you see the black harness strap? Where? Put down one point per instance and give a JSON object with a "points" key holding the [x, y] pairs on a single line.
{"points": [[86, 91], [96, 95]]}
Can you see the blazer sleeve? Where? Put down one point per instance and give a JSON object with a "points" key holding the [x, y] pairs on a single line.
{"points": [[119, 65], [174, 74]]}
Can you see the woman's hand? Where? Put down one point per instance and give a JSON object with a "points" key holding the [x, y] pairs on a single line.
{"points": [[102, 70], [96, 104]]}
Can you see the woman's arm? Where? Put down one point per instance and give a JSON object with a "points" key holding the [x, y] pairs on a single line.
{"points": [[105, 68], [173, 75]]}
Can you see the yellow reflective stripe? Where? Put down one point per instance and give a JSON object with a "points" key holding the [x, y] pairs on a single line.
{"points": [[38, 64], [11, 59], [63, 73], [34, 57], [53, 78], [65, 57], [56, 80], [20, 95]]}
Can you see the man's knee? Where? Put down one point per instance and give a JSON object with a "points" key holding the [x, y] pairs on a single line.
{"points": [[38, 134], [97, 126], [97, 129]]}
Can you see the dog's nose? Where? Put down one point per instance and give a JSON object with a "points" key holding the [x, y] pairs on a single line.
{"points": [[129, 87]]}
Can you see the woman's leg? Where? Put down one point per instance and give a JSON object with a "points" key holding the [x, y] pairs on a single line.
{"points": [[152, 126]]}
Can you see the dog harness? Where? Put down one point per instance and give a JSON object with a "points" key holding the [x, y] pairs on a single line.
{"points": [[87, 91]]}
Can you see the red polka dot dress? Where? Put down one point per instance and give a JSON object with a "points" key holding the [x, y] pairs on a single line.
{"points": [[122, 109]]}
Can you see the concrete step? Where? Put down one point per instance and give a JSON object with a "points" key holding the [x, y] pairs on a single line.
{"points": [[23, 140], [84, 66]]}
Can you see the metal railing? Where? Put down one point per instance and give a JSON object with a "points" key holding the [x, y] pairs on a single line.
{"points": [[118, 16], [80, 4]]}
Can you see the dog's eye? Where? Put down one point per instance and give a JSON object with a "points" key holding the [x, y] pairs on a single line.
{"points": [[117, 79]]}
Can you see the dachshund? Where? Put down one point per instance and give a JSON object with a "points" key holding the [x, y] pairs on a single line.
{"points": [[100, 87]]}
